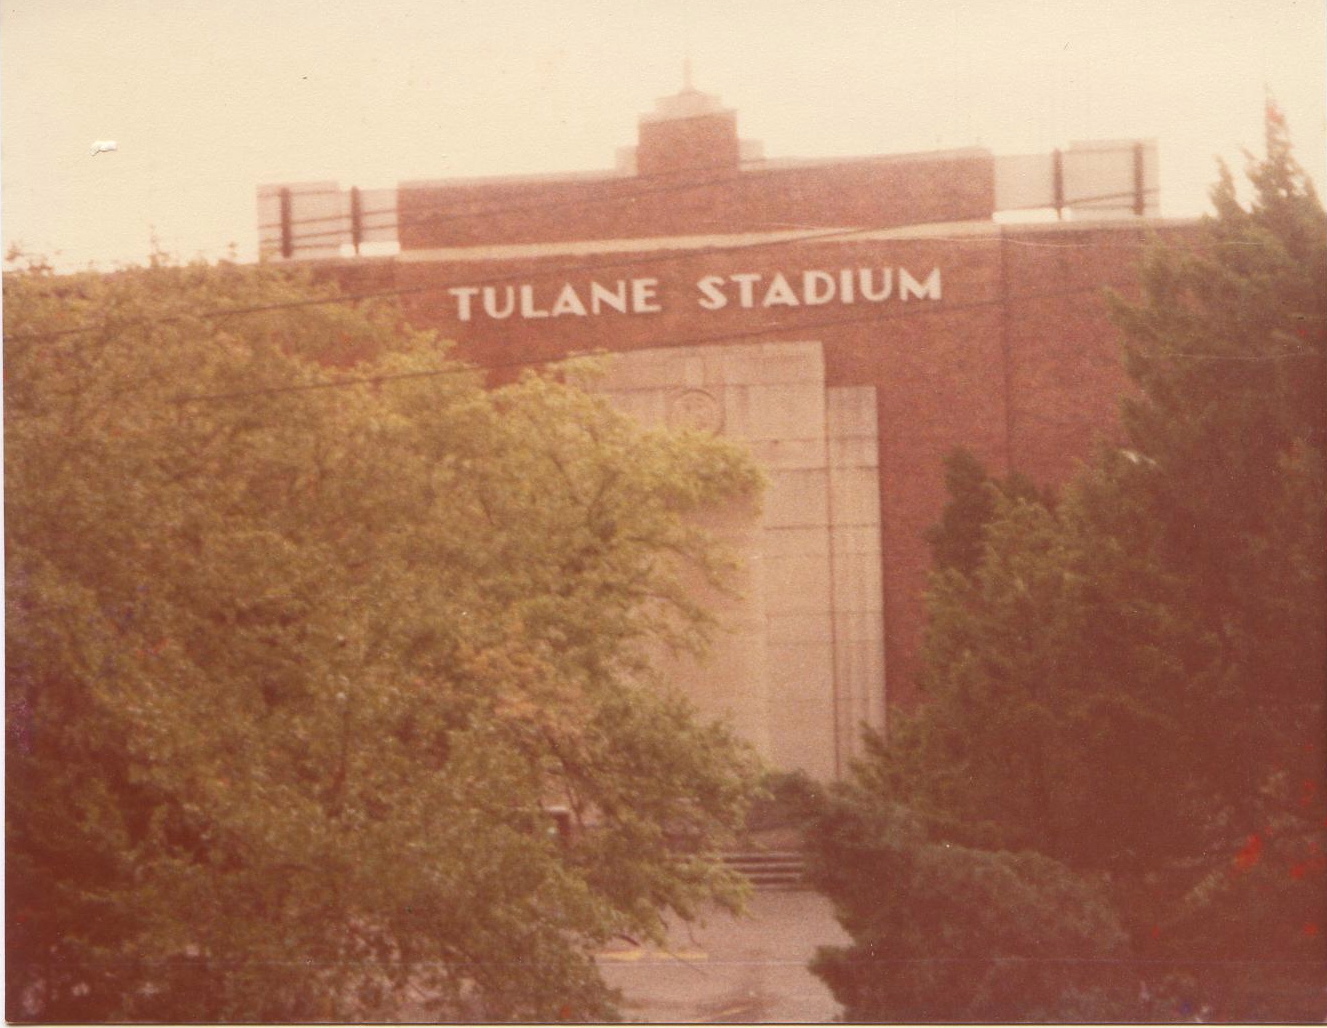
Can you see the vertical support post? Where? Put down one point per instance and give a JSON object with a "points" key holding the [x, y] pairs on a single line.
{"points": [[1139, 204], [356, 219], [1057, 181], [287, 238], [1007, 357]]}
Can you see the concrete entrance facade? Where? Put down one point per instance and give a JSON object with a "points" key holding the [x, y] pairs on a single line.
{"points": [[800, 665]]}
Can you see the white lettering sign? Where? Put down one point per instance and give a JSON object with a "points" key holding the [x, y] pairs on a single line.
{"points": [[747, 290]]}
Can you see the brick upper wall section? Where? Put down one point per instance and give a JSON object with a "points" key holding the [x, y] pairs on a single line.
{"points": [[1018, 362], [879, 192]]}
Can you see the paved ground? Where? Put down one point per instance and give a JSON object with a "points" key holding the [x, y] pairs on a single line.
{"points": [[733, 969]]}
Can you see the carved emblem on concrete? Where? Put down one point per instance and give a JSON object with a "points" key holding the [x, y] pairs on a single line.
{"points": [[695, 409]]}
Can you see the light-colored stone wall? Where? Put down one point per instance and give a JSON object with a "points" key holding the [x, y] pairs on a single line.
{"points": [[854, 526], [800, 662]]}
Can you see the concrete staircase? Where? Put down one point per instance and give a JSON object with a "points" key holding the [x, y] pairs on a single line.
{"points": [[769, 869]]}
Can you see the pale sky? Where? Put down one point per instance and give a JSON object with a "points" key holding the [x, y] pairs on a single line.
{"points": [[206, 100]]}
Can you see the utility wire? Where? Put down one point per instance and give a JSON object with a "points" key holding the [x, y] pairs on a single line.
{"points": [[672, 343], [453, 215], [439, 287], [998, 237], [457, 368], [594, 180], [607, 178], [763, 166]]}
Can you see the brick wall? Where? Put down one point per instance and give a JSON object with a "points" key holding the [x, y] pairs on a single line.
{"points": [[1018, 361], [704, 200]]}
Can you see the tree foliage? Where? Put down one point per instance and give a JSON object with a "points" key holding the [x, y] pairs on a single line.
{"points": [[1131, 683], [306, 631], [959, 934], [959, 537]]}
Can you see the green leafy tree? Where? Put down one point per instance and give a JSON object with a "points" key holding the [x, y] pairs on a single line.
{"points": [[946, 933], [307, 632], [958, 538], [1132, 682]]}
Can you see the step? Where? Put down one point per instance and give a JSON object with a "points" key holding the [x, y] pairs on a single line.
{"points": [[766, 869]]}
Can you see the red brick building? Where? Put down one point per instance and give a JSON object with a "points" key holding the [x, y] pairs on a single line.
{"points": [[851, 320]]}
